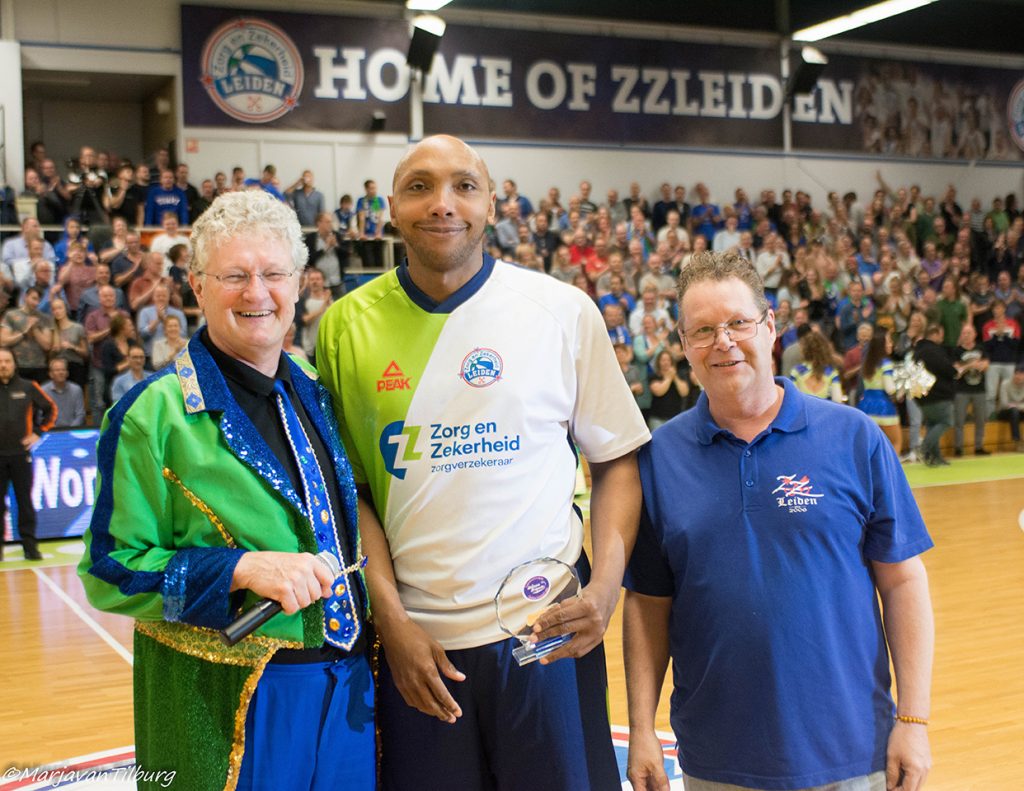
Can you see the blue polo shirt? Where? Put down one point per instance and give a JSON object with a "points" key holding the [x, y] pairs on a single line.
{"points": [[779, 662]]}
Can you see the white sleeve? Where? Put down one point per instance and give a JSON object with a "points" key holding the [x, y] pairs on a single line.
{"points": [[606, 422]]}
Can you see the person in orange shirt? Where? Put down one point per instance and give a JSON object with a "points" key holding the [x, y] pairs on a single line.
{"points": [[25, 412]]}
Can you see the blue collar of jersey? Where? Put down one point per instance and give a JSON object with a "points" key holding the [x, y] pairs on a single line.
{"points": [[428, 304], [792, 415]]}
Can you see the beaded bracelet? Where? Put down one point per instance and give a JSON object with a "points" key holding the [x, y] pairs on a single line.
{"points": [[911, 720]]}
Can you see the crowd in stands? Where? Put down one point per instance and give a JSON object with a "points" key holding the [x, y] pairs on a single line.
{"points": [[91, 310], [856, 284]]}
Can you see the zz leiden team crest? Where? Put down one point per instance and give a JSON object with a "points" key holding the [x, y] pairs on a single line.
{"points": [[481, 368], [795, 493], [252, 70]]}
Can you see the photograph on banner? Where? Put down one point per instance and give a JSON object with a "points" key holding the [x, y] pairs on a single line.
{"points": [[905, 108]]}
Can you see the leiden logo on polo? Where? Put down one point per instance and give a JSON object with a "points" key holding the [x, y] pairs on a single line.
{"points": [[795, 493], [252, 70]]}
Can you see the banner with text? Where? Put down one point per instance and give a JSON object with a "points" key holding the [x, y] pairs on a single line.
{"points": [[63, 485], [333, 73]]}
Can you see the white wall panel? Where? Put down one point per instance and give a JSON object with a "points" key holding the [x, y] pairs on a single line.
{"points": [[11, 133]]}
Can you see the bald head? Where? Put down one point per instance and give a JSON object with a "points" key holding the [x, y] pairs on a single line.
{"points": [[442, 202], [443, 145]]}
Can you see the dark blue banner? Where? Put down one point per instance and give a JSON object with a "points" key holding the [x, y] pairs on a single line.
{"points": [[332, 73], [920, 110], [63, 487], [305, 71]]}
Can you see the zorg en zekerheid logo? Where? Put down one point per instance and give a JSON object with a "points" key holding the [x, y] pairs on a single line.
{"points": [[251, 70]]}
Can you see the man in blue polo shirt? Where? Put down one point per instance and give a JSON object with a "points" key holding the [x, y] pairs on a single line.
{"points": [[762, 586]]}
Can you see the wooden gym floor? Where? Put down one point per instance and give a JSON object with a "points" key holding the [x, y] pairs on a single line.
{"points": [[66, 673]]}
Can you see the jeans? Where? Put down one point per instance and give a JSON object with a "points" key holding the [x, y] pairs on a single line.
{"points": [[979, 405], [938, 417], [914, 419], [996, 374], [1012, 414]]}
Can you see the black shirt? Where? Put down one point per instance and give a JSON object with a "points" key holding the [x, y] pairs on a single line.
{"points": [[24, 407], [936, 359], [254, 394]]}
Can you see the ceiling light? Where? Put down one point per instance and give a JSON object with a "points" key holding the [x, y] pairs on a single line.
{"points": [[864, 16], [433, 25], [426, 5]]}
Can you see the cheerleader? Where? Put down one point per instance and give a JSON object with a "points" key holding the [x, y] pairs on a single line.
{"points": [[878, 387]]}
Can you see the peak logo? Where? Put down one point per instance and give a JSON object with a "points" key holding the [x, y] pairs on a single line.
{"points": [[398, 444], [393, 379]]}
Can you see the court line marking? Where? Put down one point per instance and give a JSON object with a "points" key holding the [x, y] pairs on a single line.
{"points": [[89, 621], [933, 484]]}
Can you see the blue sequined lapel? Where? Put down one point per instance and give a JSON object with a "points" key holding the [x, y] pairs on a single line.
{"points": [[320, 410]]}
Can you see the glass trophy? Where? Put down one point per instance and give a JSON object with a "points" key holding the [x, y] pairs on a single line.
{"points": [[526, 592]]}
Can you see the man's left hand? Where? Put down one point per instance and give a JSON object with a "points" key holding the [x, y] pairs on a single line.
{"points": [[908, 758], [29, 440], [585, 617]]}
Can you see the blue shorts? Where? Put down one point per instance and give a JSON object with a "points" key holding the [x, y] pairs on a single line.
{"points": [[311, 727], [538, 727]]}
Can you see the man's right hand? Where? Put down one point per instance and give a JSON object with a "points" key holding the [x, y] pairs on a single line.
{"points": [[416, 661], [293, 579], [645, 766]]}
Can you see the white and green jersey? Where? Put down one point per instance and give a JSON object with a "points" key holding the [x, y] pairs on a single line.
{"points": [[461, 417]]}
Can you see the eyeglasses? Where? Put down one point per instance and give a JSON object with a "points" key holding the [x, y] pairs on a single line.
{"points": [[736, 330], [239, 281]]}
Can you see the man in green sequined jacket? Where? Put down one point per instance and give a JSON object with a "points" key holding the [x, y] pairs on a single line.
{"points": [[206, 504]]}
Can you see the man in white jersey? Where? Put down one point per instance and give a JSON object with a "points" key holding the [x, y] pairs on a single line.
{"points": [[468, 385]]}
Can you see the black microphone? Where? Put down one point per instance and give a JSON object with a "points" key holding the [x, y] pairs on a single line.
{"points": [[265, 609]]}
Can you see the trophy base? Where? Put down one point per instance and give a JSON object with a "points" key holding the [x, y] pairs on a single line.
{"points": [[526, 653]]}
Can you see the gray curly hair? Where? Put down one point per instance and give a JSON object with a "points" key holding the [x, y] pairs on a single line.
{"points": [[247, 212]]}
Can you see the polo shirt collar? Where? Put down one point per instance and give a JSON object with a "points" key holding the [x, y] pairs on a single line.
{"points": [[792, 415]]}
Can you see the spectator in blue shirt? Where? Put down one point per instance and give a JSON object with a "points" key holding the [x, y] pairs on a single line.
{"points": [[854, 310], [867, 264], [164, 197], [266, 182], [617, 295], [615, 322], [705, 217]]}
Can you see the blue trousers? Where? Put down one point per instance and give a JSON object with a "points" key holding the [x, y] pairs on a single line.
{"points": [[542, 727], [310, 728]]}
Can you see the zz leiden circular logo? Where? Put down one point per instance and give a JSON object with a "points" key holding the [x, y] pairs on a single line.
{"points": [[481, 368], [1015, 113], [252, 70]]}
